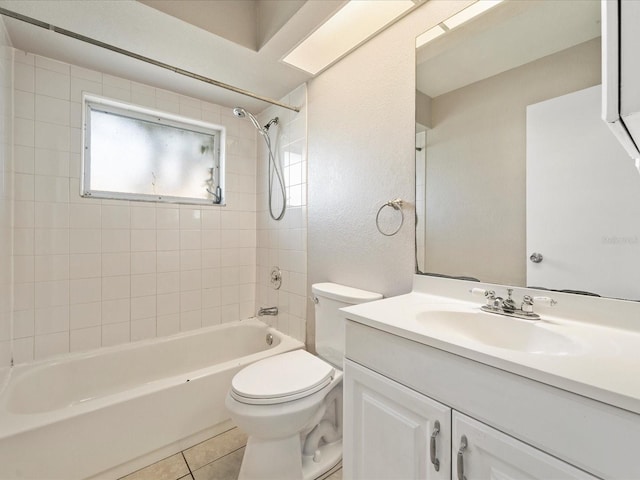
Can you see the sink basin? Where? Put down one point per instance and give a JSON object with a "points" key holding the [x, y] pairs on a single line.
{"points": [[498, 331]]}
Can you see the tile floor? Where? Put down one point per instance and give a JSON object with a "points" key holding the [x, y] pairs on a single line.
{"points": [[218, 458]]}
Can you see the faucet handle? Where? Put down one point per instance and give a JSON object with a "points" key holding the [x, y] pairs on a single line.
{"points": [[528, 301], [493, 303], [527, 304], [546, 301], [490, 295]]}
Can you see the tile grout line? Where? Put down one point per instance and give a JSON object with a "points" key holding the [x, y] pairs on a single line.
{"points": [[219, 458], [187, 463]]}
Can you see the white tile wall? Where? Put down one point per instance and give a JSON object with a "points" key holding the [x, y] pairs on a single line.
{"points": [[6, 198], [91, 272], [284, 243]]}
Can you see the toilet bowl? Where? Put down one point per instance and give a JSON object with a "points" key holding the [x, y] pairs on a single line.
{"points": [[290, 405], [278, 419]]}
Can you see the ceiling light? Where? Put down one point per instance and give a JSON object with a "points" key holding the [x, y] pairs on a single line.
{"points": [[456, 20], [470, 12], [429, 35], [357, 21]]}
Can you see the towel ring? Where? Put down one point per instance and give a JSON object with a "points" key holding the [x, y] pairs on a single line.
{"points": [[396, 204]]}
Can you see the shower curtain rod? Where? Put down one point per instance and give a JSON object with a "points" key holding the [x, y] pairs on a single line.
{"points": [[180, 71]]}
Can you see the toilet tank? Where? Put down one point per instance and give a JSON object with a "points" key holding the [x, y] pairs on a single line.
{"points": [[330, 321]]}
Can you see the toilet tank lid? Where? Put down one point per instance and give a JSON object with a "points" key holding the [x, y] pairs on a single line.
{"points": [[343, 293]]}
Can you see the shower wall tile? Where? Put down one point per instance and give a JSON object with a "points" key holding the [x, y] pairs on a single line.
{"points": [[24, 105], [25, 76], [168, 324], [87, 265], [93, 272], [85, 339], [83, 315], [51, 344], [24, 132], [23, 159], [24, 324], [53, 83], [52, 65], [116, 333]]}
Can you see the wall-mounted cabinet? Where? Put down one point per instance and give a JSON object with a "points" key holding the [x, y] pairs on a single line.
{"points": [[621, 72]]}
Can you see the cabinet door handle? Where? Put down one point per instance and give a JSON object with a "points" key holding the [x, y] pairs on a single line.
{"points": [[432, 449], [463, 446]]}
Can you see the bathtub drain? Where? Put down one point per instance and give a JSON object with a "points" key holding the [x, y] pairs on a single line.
{"points": [[269, 339]]}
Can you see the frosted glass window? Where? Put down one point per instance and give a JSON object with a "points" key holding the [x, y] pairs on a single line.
{"points": [[139, 154]]}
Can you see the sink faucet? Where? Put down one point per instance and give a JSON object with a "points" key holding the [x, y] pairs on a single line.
{"points": [[507, 306]]}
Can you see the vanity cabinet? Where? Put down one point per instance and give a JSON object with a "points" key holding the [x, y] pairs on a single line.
{"points": [[482, 452], [515, 427], [394, 432]]}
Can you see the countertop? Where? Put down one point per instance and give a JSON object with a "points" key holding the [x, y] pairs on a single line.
{"points": [[604, 365]]}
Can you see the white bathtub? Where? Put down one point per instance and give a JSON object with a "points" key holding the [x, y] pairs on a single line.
{"points": [[107, 412]]}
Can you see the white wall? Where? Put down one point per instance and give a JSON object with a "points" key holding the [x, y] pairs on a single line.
{"points": [[284, 243], [92, 273], [361, 154], [6, 194]]}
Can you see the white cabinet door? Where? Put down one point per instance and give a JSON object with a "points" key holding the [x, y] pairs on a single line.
{"points": [[389, 430], [490, 454]]}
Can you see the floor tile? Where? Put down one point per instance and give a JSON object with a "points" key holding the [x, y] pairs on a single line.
{"points": [[170, 468], [226, 468], [337, 475], [215, 448]]}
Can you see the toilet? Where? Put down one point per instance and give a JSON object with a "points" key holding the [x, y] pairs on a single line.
{"points": [[290, 405]]}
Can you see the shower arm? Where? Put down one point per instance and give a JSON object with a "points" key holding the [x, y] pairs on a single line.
{"points": [[151, 61]]}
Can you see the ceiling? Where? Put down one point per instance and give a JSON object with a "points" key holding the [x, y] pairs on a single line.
{"points": [[507, 36], [240, 43]]}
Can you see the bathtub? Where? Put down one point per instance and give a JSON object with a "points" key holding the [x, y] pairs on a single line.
{"points": [[105, 413]]}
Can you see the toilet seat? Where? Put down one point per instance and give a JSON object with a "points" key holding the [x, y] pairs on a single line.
{"points": [[281, 378]]}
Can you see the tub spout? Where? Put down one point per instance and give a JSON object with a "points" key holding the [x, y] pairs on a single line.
{"points": [[267, 311]]}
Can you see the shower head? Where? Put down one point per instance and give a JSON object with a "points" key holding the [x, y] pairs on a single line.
{"points": [[242, 113], [273, 121]]}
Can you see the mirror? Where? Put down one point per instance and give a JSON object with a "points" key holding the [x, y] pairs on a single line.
{"points": [[518, 180]]}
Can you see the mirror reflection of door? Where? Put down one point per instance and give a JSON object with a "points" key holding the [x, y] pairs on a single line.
{"points": [[583, 199]]}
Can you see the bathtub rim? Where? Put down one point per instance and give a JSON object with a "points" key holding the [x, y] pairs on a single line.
{"points": [[14, 423], [61, 357]]}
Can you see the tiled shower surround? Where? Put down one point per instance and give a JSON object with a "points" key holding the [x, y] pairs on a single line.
{"points": [[91, 273]]}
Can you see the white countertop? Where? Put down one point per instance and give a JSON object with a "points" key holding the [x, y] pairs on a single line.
{"points": [[604, 365]]}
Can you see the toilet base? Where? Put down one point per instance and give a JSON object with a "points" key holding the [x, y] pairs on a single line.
{"points": [[272, 459], [330, 455], [259, 455]]}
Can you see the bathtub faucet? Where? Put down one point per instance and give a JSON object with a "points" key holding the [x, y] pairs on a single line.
{"points": [[267, 311]]}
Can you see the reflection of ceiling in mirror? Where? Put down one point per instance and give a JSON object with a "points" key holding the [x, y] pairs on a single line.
{"points": [[512, 34]]}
